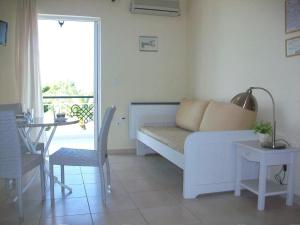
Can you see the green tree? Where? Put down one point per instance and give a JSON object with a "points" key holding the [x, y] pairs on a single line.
{"points": [[65, 88]]}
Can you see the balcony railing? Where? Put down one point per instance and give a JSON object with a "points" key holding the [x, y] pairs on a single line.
{"points": [[78, 107]]}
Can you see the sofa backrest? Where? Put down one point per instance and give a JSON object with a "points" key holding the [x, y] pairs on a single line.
{"points": [[226, 116], [194, 115]]}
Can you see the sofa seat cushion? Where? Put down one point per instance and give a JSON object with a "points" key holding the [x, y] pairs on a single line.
{"points": [[226, 116], [174, 137], [190, 113]]}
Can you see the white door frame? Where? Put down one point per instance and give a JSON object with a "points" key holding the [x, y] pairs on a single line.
{"points": [[97, 80], [97, 62]]}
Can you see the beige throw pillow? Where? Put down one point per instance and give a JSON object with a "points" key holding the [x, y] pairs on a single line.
{"points": [[190, 113], [226, 116]]}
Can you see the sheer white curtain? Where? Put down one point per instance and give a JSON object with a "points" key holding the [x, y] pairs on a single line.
{"points": [[27, 53]]}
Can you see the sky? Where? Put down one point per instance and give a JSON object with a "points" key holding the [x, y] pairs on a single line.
{"points": [[67, 53]]}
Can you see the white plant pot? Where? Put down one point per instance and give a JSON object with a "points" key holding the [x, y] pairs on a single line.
{"points": [[264, 138]]}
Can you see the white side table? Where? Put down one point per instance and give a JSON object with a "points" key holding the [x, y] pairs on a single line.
{"points": [[251, 151]]}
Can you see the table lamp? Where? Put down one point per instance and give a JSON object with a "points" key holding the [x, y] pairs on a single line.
{"points": [[247, 101]]}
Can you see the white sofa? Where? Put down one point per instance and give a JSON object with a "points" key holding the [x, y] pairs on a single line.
{"points": [[207, 157]]}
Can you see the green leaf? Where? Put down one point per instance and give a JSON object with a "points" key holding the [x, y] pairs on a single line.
{"points": [[263, 128]]}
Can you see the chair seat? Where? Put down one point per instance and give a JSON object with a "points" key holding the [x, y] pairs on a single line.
{"points": [[75, 157], [30, 161]]}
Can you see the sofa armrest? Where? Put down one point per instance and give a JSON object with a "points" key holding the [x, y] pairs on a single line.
{"points": [[151, 114], [212, 155]]}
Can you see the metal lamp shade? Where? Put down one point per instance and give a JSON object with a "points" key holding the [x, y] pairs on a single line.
{"points": [[245, 100]]}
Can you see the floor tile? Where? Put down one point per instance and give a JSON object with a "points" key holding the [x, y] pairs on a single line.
{"points": [[15, 221], [78, 191], [284, 216], [177, 193], [68, 220], [69, 170], [219, 209], [114, 203], [89, 170], [72, 179], [131, 217], [125, 159], [91, 178], [168, 216], [170, 181], [145, 190], [93, 190], [123, 167], [153, 199], [127, 163], [133, 174], [142, 185], [66, 207], [33, 193], [9, 211]]}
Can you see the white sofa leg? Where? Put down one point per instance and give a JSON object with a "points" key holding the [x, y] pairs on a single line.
{"points": [[142, 149], [188, 193]]}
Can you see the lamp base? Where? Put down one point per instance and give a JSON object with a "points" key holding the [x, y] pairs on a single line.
{"points": [[276, 146]]}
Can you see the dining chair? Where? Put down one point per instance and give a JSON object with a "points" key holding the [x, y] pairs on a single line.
{"points": [[17, 108], [84, 157], [13, 163]]}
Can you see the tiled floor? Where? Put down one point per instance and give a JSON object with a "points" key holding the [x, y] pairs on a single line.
{"points": [[145, 191]]}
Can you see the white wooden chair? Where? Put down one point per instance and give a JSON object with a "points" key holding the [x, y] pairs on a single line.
{"points": [[17, 108], [85, 157], [14, 164]]}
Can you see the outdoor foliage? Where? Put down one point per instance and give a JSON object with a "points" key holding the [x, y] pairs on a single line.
{"points": [[44, 90], [65, 88]]}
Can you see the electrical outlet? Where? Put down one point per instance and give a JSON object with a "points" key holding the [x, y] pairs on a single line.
{"points": [[121, 121]]}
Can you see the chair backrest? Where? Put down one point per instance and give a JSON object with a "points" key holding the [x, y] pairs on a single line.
{"points": [[16, 107], [10, 149], [103, 135]]}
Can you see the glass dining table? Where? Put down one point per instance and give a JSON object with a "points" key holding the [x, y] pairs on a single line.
{"points": [[31, 132]]}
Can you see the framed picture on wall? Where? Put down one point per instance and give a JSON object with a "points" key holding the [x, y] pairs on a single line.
{"points": [[292, 46], [3, 32], [292, 16], [148, 44]]}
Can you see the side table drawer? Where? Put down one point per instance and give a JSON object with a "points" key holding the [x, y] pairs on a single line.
{"points": [[249, 155]]}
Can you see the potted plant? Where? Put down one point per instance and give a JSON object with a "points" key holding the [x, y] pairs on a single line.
{"points": [[264, 132]]}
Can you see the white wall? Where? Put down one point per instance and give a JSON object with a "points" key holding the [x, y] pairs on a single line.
{"points": [[127, 74], [235, 44], [8, 92]]}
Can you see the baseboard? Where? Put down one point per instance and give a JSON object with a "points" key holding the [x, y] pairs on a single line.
{"points": [[1, 184], [121, 151], [297, 199]]}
